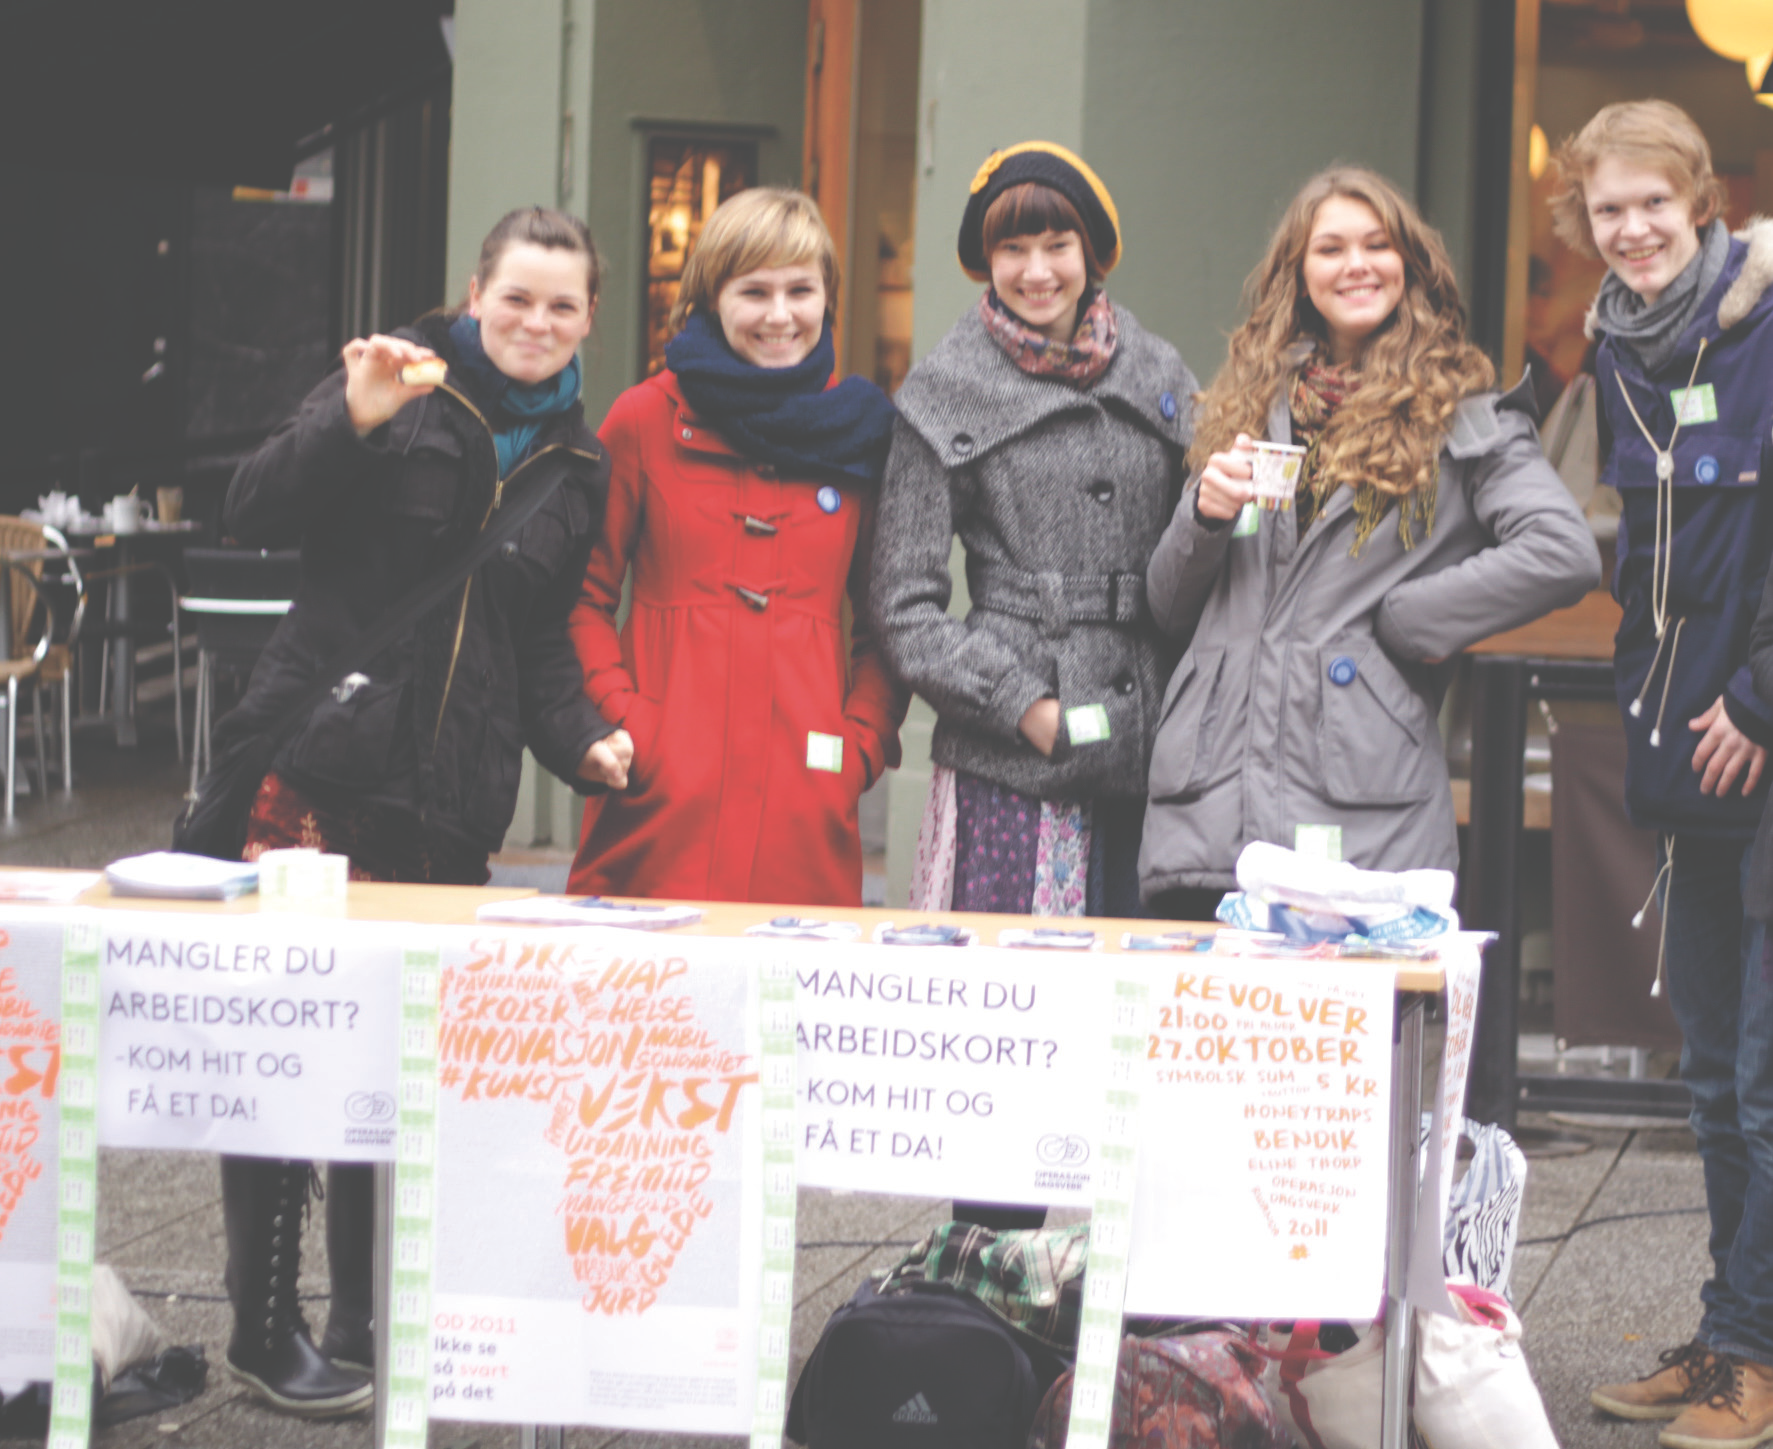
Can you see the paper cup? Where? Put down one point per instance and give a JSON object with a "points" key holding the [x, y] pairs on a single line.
{"points": [[303, 881], [1275, 471]]}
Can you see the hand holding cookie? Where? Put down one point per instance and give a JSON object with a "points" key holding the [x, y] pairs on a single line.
{"points": [[382, 375]]}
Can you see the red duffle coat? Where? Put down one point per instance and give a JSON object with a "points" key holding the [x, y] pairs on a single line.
{"points": [[730, 673]]}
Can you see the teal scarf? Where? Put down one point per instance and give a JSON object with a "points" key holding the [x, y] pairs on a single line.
{"points": [[517, 409]]}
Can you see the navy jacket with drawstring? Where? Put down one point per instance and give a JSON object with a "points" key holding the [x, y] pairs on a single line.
{"points": [[1710, 565]]}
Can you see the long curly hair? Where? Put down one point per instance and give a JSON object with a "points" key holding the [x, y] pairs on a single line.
{"points": [[1412, 373]]}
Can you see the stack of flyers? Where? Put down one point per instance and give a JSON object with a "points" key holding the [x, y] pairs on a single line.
{"points": [[46, 885], [172, 875], [1198, 942], [1049, 938], [800, 928], [588, 911], [930, 933]]}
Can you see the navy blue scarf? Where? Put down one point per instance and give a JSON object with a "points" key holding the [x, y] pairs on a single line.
{"points": [[785, 416], [517, 410]]}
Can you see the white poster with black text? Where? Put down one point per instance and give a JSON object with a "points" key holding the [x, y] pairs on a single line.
{"points": [[941, 1071], [267, 1035]]}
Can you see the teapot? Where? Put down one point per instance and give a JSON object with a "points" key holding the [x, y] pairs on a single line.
{"points": [[57, 509]]}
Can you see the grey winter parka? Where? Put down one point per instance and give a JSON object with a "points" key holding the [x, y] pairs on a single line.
{"points": [[1059, 494], [1309, 693]]}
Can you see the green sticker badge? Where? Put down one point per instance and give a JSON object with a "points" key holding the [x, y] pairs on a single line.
{"points": [[1087, 724], [1695, 404], [824, 752], [1319, 842], [1248, 519]]}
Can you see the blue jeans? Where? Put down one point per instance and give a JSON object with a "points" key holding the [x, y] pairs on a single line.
{"points": [[1721, 989]]}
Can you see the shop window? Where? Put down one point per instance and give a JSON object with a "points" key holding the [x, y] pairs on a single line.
{"points": [[686, 178]]}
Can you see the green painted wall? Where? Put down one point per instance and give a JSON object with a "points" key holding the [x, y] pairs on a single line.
{"points": [[504, 145], [707, 62]]}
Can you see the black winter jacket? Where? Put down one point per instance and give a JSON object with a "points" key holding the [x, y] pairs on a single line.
{"points": [[439, 729]]}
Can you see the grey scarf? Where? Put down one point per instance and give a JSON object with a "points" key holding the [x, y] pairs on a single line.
{"points": [[1652, 331]]}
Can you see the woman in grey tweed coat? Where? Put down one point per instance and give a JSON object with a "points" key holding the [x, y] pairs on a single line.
{"points": [[1047, 430]]}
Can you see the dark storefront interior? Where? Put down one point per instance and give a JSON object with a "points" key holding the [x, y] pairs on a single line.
{"points": [[174, 293]]}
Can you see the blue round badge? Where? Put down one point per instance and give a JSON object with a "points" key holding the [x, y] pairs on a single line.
{"points": [[1706, 469], [829, 499], [1342, 670], [1167, 406]]}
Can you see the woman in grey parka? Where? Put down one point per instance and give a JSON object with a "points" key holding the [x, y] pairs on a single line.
{"points": [[1049, 431], [1425, 518]]}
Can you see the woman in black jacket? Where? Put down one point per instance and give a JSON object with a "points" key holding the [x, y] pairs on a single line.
{"points": [[410, 766]]}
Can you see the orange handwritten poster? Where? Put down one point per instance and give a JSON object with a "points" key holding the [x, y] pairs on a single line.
{"points": [[1263, 1179], [598, 1242], [30, 1060]]}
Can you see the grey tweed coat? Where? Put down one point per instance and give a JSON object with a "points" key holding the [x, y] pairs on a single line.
{"points": [[1059, 495]]}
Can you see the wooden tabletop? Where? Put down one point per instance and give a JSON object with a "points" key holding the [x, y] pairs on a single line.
{"points": [[455, 906], [1583, 631]]}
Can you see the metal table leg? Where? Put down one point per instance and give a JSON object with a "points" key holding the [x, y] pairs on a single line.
{"points": [[1498, 748], [122, 653], [383, 1304], [1406, 1146]]}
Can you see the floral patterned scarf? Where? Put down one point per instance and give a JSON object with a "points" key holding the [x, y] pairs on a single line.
{"points": [[1318, 390], [1080, 361]]}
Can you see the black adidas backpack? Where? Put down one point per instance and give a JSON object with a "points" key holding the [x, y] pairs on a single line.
{"points": [[926, 1366]]}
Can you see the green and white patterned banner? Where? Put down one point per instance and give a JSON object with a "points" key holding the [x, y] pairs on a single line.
{"points": [[70, 1422], [776, 1073], [1111, 1222], [415, 1182]]}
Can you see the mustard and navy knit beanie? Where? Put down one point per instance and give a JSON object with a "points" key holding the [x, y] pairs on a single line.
{"points": [[1047, 165]]}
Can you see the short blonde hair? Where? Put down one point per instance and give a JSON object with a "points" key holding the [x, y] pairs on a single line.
{"points": [[1653, 134], [767, 226]]}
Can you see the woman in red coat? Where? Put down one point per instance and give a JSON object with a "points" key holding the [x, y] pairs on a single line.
{"points": [[742, 492]]}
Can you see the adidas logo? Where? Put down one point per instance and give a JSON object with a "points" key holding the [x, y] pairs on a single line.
{"points": [[915, 1410]]}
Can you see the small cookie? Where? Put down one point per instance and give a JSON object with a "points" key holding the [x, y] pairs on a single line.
{"points": [[428, 373]]}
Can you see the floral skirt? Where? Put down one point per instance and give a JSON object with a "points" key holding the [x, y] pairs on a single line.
{"points": [[984, 847]]}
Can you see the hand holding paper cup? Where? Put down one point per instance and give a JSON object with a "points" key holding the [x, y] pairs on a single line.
{"points": [[1275, 471]]}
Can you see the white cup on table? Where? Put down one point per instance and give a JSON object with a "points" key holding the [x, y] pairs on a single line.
{"points": [[125, 513]]}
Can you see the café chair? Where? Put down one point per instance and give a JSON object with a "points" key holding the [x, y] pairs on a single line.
{"points": [[33, 655], [237, 595]]}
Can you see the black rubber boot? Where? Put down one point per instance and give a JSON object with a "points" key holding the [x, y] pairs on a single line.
{"points": [[349, 1340], [263, 1203]]}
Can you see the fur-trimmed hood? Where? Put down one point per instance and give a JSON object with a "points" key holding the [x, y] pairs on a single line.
{"points": [[1743, 294]]}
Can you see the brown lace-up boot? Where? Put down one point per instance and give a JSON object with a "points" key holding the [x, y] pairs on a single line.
{"points": [[1736, 1414], [1686, 1374]]}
